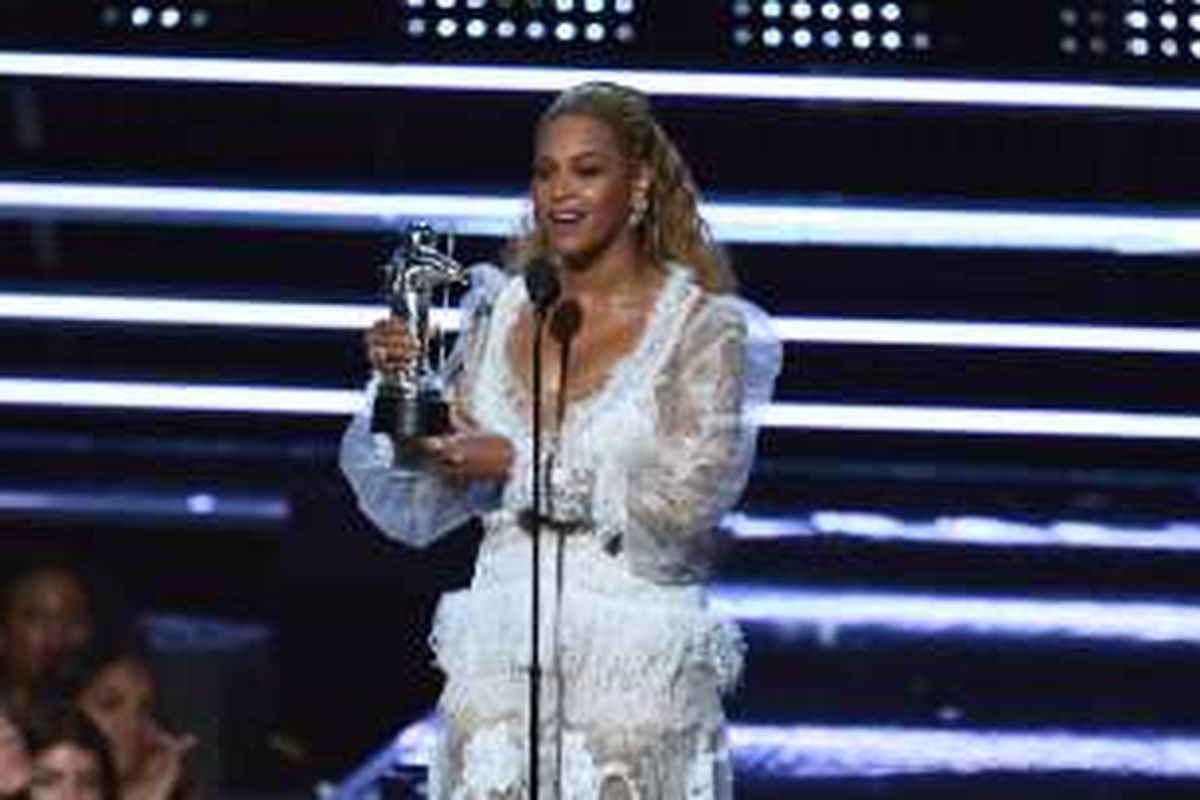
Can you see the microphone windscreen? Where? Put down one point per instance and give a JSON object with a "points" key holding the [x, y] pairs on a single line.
{"points": [[541, 283], [565, 322]]}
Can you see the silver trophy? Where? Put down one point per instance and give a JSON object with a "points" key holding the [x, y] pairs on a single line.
{"points": [[410, 402]]}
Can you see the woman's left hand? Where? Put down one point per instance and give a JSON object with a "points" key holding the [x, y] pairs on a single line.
{"points": [[161, 770], [468, 453]]}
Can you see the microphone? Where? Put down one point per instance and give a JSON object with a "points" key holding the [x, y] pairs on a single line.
{"points": [[543, 287], [564, 324], [566, 321], [542, 283]]}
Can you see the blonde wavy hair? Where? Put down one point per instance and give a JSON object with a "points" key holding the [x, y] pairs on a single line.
{"points": [[671, 228]]}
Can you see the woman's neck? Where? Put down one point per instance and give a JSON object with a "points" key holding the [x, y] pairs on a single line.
{"points": [[617, 271]]}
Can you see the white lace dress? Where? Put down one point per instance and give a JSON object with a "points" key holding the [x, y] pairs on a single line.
{"points": [[634, 664]]}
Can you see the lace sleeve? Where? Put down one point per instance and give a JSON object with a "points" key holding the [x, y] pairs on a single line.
{"points": [[708, 400], [417, 508]]}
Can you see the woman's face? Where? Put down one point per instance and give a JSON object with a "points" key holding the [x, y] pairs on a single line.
{"points": [[15, 769], [582, 187], [47, 615], [66, 772], [120, 701]]}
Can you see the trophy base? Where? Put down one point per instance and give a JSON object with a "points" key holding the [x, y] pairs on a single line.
{"points": [[404, 419]]}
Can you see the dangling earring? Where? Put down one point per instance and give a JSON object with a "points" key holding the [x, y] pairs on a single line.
{"points": [[637, 210]]}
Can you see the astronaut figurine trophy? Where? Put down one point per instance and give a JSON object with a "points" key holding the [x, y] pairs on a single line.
{"points": [[410, 402]]}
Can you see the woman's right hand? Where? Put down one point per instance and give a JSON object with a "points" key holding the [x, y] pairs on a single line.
{"points": [[387, 343]]}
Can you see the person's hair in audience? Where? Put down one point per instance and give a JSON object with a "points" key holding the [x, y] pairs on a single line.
{"points": [[71, 758]]}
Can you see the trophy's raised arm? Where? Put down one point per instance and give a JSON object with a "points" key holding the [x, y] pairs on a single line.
{"points": [[411, 402]]}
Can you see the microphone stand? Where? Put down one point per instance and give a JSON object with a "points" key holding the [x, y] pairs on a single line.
{"points": [[564, 324], [543, 288]]}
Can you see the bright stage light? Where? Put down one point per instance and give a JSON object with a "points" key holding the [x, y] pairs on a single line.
{"points": [[170, 17], [146, 396], [721, 85], [976, 530], [802, 22], [825, 751], [56, 393], [499, 215], [115, 309], [982, 421], [965, 616], [561, 22]]}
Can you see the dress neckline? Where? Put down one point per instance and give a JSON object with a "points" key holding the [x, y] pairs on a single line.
{"points": [[657, 325]]}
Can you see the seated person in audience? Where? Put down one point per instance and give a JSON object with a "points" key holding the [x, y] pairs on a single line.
{"points": [[70, 756], [112, 683], [15, 769], [46, 610]]}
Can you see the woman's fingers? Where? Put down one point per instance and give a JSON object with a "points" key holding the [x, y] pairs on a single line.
{"points": [[387, 344]]}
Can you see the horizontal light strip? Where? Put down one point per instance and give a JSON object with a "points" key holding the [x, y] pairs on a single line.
{"points": [[822, 752], [717, 85], [337, 402], [826, 330], [192, 634], [984, 421], [465, 214], [860, 751], [1171, 537], [832, 612], [178, 397], [179, 311], [499, 215], [965, 334], [191, 506]]}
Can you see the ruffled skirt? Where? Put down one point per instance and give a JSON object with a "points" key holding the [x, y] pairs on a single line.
{"points": [[632, 678]]}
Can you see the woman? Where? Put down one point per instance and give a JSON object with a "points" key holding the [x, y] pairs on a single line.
{"points": [[71, 759], [649, 443], [112, 683]]}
